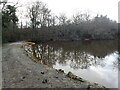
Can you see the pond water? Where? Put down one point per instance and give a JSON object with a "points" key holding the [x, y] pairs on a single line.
{"points": [[95, 61]]}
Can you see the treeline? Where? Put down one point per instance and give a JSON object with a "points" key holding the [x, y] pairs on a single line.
{"points": [[44, 26]]}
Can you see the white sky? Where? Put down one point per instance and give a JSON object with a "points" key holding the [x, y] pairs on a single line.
{"points": [[104, 7]]}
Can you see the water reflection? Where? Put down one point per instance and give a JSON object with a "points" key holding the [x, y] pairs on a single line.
{"points": [[98, 59]]}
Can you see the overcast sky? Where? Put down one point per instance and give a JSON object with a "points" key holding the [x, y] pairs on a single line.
{"points": [[105, 7]]}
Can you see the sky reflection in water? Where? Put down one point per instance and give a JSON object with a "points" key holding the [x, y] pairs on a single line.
{"points": [[105, 75]]}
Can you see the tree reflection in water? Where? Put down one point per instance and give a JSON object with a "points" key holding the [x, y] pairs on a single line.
{"points": [[81, 54]]}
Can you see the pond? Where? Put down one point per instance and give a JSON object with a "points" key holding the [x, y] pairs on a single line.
{"points": [[95, 61]]}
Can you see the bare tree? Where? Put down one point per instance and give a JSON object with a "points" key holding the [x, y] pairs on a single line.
{"points": [[79, 17], [45, 16], [53, 20], [39, 14], [62, 19], [3, 3], [33, 13]]}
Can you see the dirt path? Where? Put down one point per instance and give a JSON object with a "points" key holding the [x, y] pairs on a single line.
{"points": [[19, 71]]}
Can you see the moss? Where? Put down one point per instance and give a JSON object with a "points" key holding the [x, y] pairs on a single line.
{"points": [[72, 76]]}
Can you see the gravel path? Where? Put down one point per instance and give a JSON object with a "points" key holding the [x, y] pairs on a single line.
{"points": [[19, 71]]}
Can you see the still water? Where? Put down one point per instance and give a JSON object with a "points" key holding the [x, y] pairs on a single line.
{"points": [[96, 61]]}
